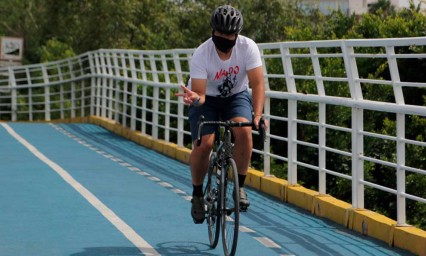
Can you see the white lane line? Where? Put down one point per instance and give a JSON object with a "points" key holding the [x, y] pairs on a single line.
{"points": [[267, 242], [135, 169], [153, 178], [122, 226], [187, 198], [178, 191], [165, 184], [246, 229]]}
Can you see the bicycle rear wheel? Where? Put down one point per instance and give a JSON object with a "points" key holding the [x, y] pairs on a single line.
{"points": [[230, 201], [211, 198]]}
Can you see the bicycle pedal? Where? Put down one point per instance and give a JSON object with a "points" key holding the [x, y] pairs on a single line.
{"points": [[243, 208], [198, 221]]}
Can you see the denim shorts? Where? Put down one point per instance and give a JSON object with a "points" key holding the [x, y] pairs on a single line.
{"points": [[216, 108]]}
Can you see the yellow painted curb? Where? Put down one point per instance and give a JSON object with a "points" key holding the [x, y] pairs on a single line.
{"points": [[158, 145], [274, 186], [145, 140], [300, 196], [166, 148], [372, 224], [125, 132], [253, 178], [134, 136], [411, 239], [171, 150], [331, 208], [183, 154], [70, 120]]}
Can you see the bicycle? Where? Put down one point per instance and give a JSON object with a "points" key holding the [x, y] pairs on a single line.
{"points": [[221, 193]]}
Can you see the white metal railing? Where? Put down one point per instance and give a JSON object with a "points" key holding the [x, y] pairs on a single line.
{"points": [[320, 79]]}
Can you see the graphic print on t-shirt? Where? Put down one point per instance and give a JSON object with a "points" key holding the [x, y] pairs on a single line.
{"points": [[229, 80]]}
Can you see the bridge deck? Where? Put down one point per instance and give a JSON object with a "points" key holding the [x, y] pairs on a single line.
{"points": [[78, 189]]}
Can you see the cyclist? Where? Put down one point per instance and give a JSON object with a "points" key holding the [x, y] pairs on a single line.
{"points": [[221, 70]]}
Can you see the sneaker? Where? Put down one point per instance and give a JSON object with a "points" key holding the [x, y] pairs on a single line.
{"points": [[244, 202], [197, 210]]}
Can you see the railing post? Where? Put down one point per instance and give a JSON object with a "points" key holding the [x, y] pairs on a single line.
{"points": [[180, 106], [109, 84], [13, 94], [116, 73], [61, 92], [134, 91], [71, 70], [30, 96], [357, 127], [292, 142], [103, 85], [322, 153], [357, 162], [144, 95], [46, 93], [400, 171], [167, 99], [96, 84], [400, 135], [292, 116], [321, 122], [267, 112], [125, 90], [156, 96], [93, 78], [81, 72]]}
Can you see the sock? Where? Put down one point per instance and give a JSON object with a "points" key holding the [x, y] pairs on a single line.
{"points": [[241, 179], [197, 190]]}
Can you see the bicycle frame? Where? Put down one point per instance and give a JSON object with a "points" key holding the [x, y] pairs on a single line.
{"points": [[220, 196]]}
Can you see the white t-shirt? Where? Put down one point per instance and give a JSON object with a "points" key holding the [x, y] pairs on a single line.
{"points": [[225, 78]]}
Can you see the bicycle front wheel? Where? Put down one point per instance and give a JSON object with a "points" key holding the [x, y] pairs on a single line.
{"points": [[211, 197], [230, 201]]}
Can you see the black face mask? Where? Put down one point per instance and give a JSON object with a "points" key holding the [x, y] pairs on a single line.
{"points": [[223, 44]]}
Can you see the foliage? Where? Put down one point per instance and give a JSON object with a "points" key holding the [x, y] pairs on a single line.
{"points": [[55, 50], [381, 7]]}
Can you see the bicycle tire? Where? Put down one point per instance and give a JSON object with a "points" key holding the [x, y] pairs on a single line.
{"points": [[230, 205], [211, 196]]}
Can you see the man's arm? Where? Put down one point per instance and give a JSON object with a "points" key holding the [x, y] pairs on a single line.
{"points": [[197, 95], [257, 85], [198, 86]]}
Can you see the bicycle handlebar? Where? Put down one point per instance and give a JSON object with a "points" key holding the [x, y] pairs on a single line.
{"points": [[228, 124]]}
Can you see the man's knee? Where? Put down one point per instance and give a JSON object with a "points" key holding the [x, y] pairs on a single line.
{"points": [[205, 146], [242, 133]]}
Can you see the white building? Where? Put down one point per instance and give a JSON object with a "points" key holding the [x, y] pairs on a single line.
{"points": [[353, 6]]}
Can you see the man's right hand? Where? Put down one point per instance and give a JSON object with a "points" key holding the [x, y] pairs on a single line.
{"points": [[189, 97]]}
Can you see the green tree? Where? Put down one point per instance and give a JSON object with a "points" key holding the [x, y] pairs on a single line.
{"points": [[24, 18], [55, 50], [382, 7]]}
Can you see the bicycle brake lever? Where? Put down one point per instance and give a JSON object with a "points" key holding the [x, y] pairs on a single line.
{"points": [[262, 133]]}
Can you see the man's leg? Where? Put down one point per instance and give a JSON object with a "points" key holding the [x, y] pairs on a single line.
{"points": [[199, 161], [242, 153]]}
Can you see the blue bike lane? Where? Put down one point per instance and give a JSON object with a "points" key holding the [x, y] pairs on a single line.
{"points": [[118, 198]]}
